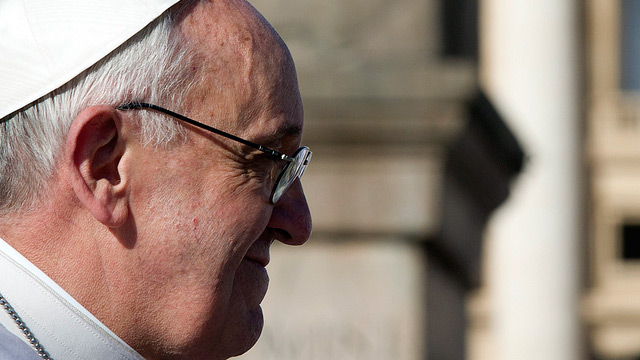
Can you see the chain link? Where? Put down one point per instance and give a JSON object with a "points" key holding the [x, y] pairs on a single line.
{"points": [[23, 327]]}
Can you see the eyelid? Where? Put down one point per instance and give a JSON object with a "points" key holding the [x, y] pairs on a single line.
{"points": [[270, 143], [281, 136], [252, 155]]}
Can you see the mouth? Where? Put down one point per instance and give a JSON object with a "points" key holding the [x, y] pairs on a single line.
{"points": [[258, 259], [252, 279]]}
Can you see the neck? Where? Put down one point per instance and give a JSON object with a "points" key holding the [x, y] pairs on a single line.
{"points": [[63, 244]]}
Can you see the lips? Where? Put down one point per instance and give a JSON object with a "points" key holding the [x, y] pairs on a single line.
{"points": [[258, 259], [253, 279]]}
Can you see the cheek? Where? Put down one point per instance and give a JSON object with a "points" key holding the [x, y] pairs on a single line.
{"points": [[234, 225], [222, 229]]}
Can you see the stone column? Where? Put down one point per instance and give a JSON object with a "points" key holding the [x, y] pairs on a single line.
{"points": [[530, 68]]}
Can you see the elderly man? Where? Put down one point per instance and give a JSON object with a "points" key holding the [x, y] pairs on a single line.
{"points": [[128, 229]]}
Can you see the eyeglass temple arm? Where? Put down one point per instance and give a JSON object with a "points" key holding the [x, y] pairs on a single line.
{"points": [[141, 105]]}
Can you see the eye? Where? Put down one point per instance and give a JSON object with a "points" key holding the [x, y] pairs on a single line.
{"points": [[264, 168]]}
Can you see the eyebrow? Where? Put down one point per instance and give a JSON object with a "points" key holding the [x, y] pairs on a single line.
{"points": [[284, 132], [292, 130]]}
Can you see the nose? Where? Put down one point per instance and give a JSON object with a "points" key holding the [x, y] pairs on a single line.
{"points": [[291, 220]]}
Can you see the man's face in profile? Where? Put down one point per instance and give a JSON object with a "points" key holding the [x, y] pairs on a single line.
{"points": [[203, 218]]}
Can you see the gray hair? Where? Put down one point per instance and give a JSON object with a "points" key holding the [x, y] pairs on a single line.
{"points": [[155, 66]]}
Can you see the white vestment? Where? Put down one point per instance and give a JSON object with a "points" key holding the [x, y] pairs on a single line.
{"points": [[65, 329]]}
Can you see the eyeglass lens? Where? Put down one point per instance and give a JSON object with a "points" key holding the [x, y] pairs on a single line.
{"points": [[291, 172]]}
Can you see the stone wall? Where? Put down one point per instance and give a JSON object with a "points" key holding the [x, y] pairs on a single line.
{"points": [[384, 113]]}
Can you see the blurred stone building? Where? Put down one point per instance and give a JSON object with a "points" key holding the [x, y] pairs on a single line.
{"points": [[562, 272], [410, 159], [612, 300]]}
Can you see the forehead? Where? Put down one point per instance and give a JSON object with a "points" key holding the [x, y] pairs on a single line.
{"points": [[248, 78]]}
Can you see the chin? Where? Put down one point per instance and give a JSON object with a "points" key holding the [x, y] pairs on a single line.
{"points": [[244, 318], [239, 336], [244, 342], [257, 323]]}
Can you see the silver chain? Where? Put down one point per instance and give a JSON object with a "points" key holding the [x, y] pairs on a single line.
{"points": [[23, 327]]}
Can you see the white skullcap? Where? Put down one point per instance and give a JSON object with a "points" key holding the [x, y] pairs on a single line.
{"points": [[46, 43]]}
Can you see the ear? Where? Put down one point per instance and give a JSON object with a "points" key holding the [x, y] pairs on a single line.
{"points": [[94, 156]]}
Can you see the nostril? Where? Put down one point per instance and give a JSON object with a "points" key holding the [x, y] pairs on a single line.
{"points": [[282, 235]]}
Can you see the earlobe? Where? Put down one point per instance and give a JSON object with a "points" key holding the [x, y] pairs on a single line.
{"points": [[94, 156]]}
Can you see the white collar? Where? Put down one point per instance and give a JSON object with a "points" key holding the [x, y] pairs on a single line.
{"points": [[65, 328]]}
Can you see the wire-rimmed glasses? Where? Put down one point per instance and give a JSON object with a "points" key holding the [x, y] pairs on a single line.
{"points": [[293, 169]]}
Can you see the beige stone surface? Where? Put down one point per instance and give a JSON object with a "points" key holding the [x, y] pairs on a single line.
{"points": [[343, 301], [613, 314], [374, 194], [371, 48]]}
